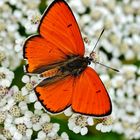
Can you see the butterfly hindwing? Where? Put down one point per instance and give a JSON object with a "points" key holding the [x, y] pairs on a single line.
{"points": [[90, 96], [56, 97]]}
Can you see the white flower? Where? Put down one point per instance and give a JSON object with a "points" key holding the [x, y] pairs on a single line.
{"points": [[103, 128], [23, 106], [68, 111], [8, 105], [49, 130], [78, 123], [26, 79], [106, 80], [64, 136], [5, 134], [137, 86], [30, 28], [2, 116], [42, 136], [17, 136], [84, 131], [78, 6], [129, 55], [33, 17], [6, 77], [2, 56], [17, 127], [3, 93], [29, 133], [118, 81], [32, 97], [35, 120], [30, 83], [129, 71], [105, 125], [76, 129], [90, 121], [118, 127], [37, 105]]}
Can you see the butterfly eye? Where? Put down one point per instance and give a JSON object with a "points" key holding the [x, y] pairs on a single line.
{"points": [[88, 60], [95, 57]]}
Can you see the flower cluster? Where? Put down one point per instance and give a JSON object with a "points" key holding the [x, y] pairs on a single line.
{"points": [[78, 123], [22, 116], [119, 47]]}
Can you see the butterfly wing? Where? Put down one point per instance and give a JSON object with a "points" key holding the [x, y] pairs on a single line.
{"points": [[90, 96], [56, 97], [40, 53], [59, 37], [59, 25]]}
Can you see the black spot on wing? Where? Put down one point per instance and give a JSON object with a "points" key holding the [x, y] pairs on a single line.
{"points": [[69, 25], [98, 91], [50, 50]]}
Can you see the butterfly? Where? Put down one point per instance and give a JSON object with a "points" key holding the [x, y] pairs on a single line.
{"points": [[56, 53]]}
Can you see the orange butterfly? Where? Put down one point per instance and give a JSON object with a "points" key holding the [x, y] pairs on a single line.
{"points": [[57, 54]]}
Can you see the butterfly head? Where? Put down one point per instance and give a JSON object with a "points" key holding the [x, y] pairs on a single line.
{"points": [[94, 57]]}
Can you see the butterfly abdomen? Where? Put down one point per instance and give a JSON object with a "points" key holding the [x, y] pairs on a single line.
{"points": [[50, 73]]}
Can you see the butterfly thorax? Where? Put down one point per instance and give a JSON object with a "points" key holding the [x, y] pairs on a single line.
{"points": [[75, 65]]}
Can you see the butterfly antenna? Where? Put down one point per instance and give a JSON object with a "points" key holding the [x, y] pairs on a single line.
{"points": [[98, 40], [92, 54], [107, 66]]}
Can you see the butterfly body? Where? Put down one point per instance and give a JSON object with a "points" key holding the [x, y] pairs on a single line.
{"points": [[76, 65], [57, 55], [73, 66]]}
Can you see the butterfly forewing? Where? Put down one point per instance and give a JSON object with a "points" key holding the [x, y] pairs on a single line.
{"points": [[59, 26], [59, 36], [40, 53]]}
